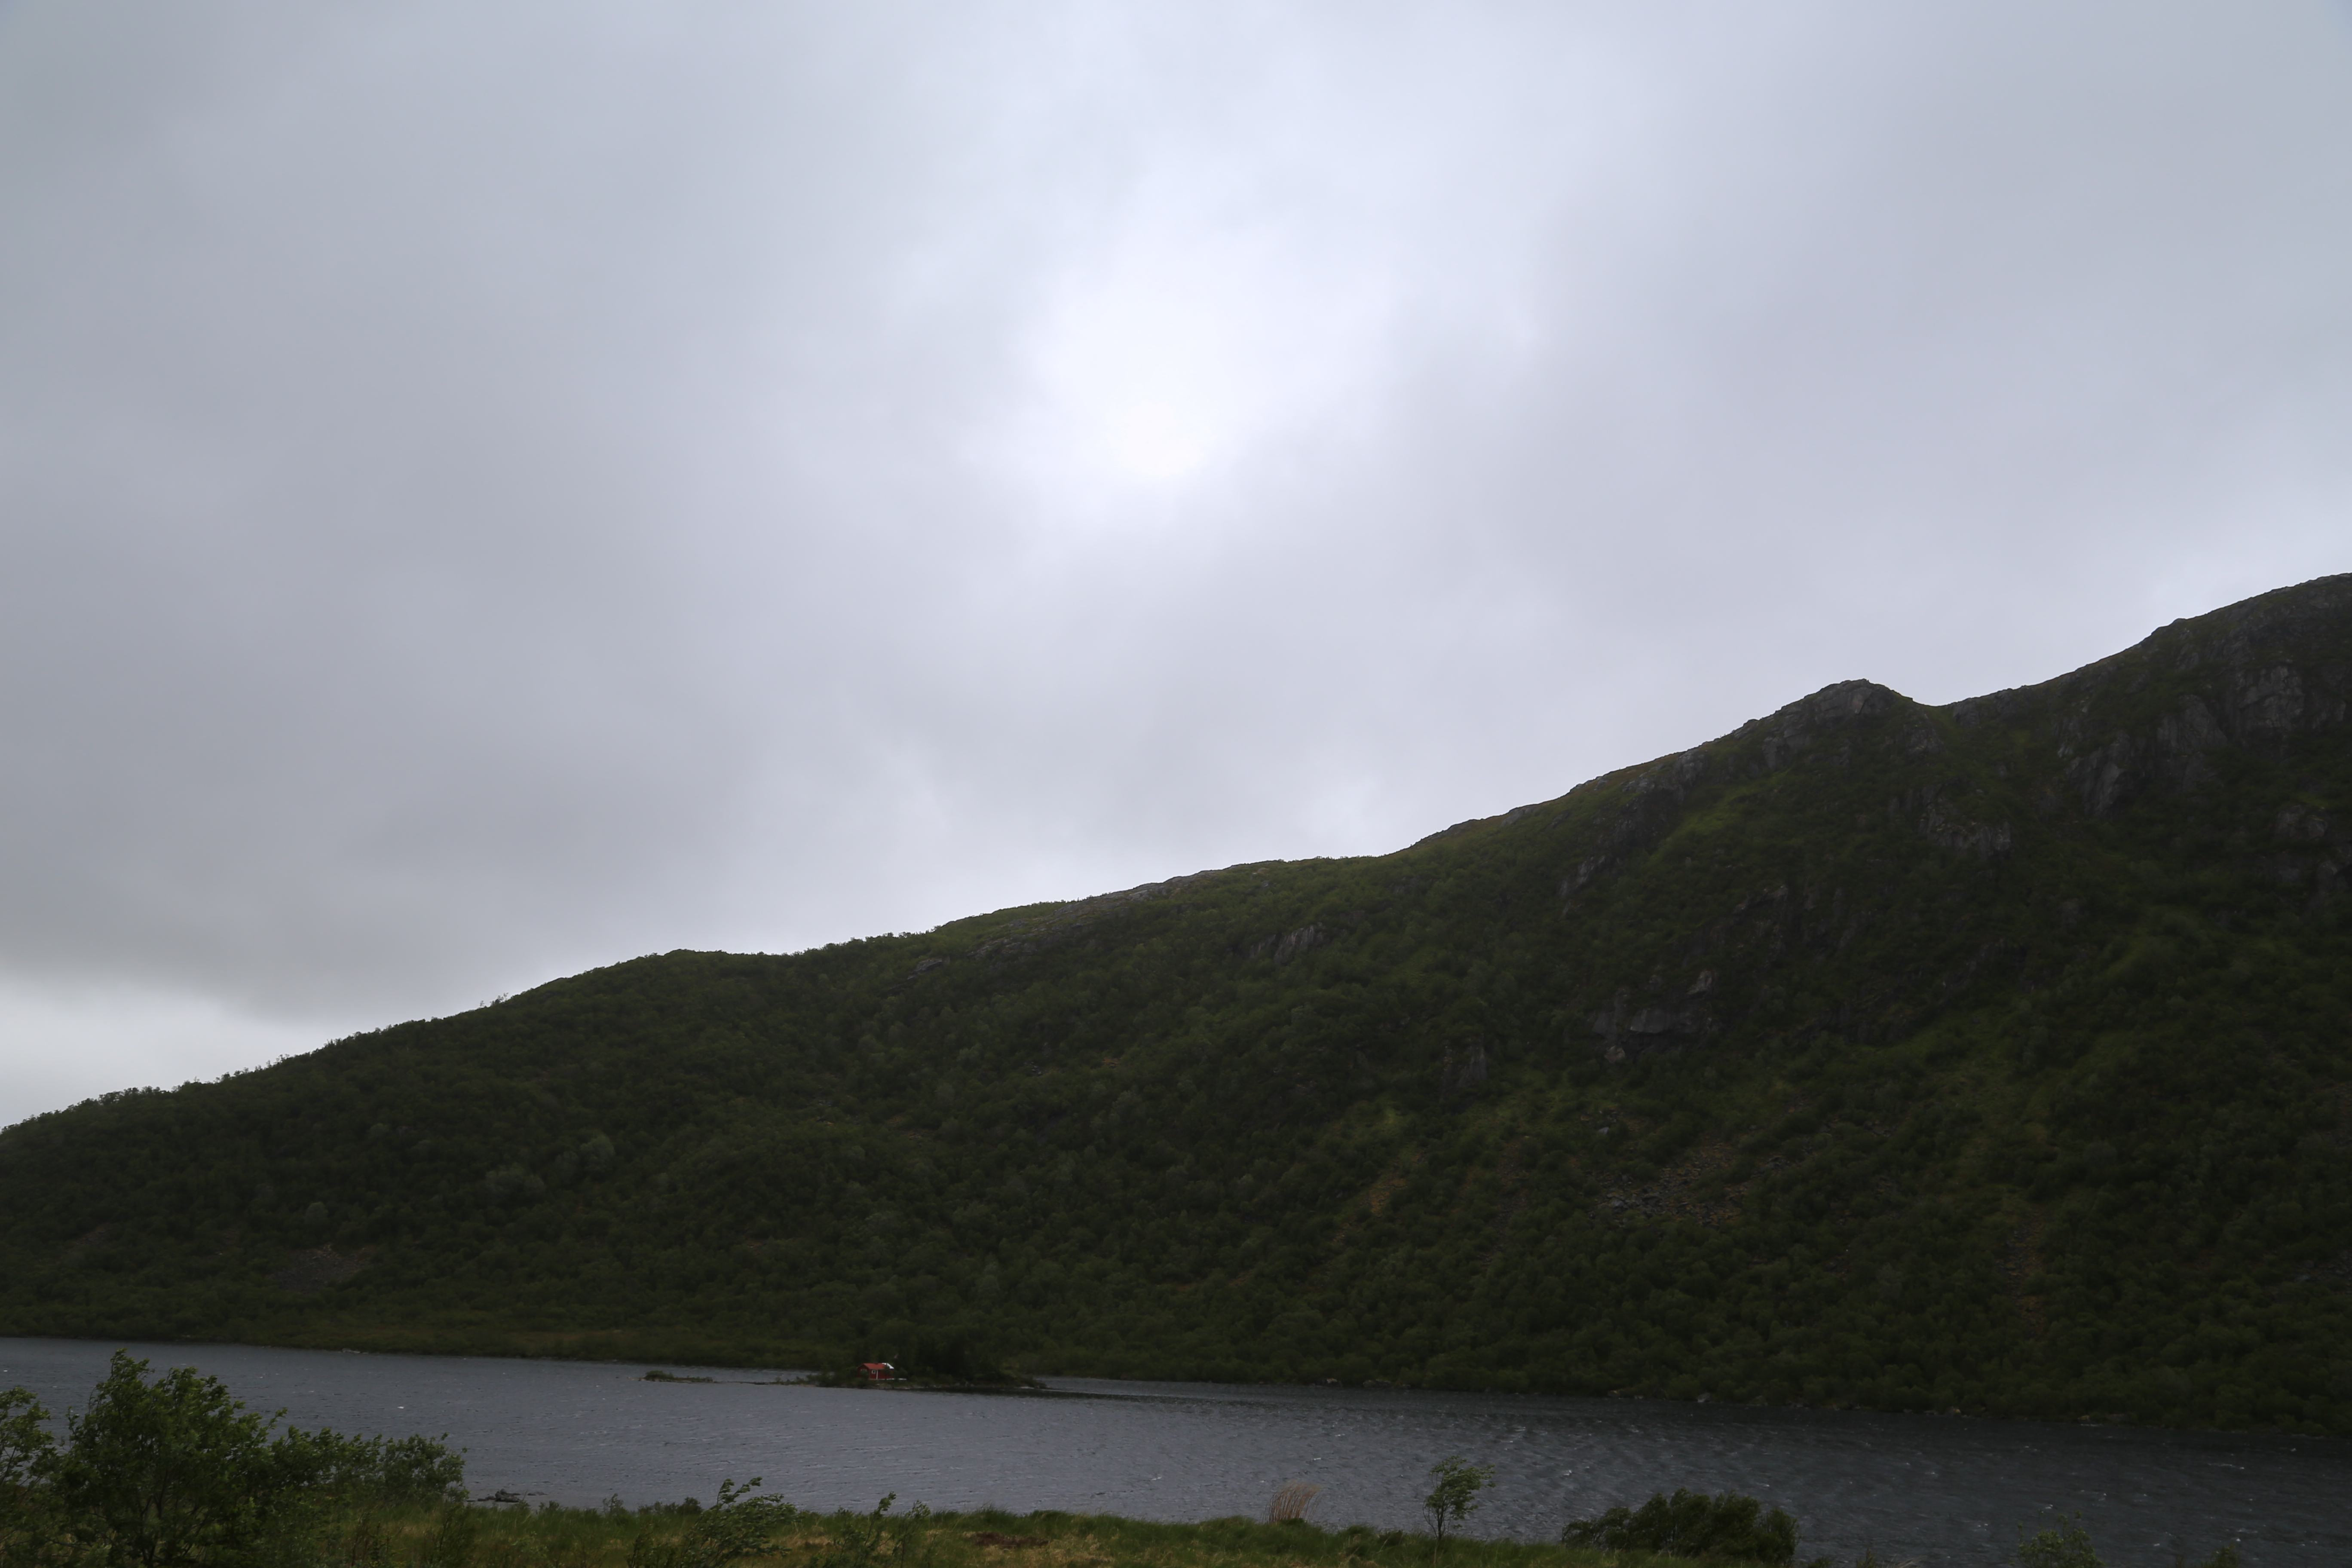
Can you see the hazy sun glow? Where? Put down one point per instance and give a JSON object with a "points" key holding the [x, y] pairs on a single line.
{"points": [[1183, 349]]}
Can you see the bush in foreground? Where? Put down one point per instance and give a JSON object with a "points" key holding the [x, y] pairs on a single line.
{"points": [[174, 1473], [1693, 1524]]}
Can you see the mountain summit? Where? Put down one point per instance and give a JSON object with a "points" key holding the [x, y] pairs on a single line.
{"points": [[1992, 1057]]}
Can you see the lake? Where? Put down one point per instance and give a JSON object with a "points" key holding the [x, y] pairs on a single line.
{"points": [[1940, 1490]]}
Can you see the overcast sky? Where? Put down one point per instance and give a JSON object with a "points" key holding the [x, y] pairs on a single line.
{"points": [[488, 490]]}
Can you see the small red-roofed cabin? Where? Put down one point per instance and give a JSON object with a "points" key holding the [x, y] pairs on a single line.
{"points": [[878, 1371]]}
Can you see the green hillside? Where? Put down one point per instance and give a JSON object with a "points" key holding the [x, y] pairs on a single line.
{"points": [[1993, 1057]]}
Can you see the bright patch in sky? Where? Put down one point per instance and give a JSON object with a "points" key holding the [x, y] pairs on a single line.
{"points": [[1153, 376], [1185, 349]]}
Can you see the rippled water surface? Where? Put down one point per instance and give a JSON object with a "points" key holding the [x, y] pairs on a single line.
{"points": [[1939, 1490]]}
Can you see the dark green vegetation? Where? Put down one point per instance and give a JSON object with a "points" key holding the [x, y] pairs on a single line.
{"points": [[1991, 1056], [1736, 1529], [1454, 1498], [453, 1535], [173, 1471], [1693, 1524], [2068, 1545]]}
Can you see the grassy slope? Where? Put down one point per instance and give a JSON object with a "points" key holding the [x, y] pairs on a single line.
{"points": [[1992, 1057]]}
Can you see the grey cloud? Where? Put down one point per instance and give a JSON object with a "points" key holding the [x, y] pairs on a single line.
{"points": [[490, 489]]}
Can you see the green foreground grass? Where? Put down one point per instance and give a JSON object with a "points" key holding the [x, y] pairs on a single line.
{"points": [[554, 1537]]}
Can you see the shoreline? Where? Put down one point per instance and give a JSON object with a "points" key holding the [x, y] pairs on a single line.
{"points": [[795, 1374]]}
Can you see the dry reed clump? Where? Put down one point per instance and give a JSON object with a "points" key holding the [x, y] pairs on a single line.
{"points": [[1292, 1502]]}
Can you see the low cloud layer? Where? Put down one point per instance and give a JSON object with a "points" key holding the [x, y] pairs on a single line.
{"points": [[488, 489]]}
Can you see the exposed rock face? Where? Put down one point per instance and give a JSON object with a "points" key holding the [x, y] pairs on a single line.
{"points": [[1462, 1070], [320, 1269], [2185, 711], [2255, 675], [1945, 827], [1628, 1032], [1285, 946], [1806, 720], [1304, 939]]}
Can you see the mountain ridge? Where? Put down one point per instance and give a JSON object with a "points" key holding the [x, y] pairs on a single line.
{"points": [[1990, 1054]]}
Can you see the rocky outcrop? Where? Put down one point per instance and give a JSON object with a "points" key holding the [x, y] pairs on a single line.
{"points": [[1627, 1031], [2149, 720], [1781, 736], [320, 1269], [1464, 1069], [1284, 946], [1946, 827], [1305, 939], [1671, 777]]}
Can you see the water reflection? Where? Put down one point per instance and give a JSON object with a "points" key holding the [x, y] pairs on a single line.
{"points": [[1939, 1490]]}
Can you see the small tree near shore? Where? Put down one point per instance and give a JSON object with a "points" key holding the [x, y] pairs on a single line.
{"points": [[1454, 1498], [2065, 1545]]}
